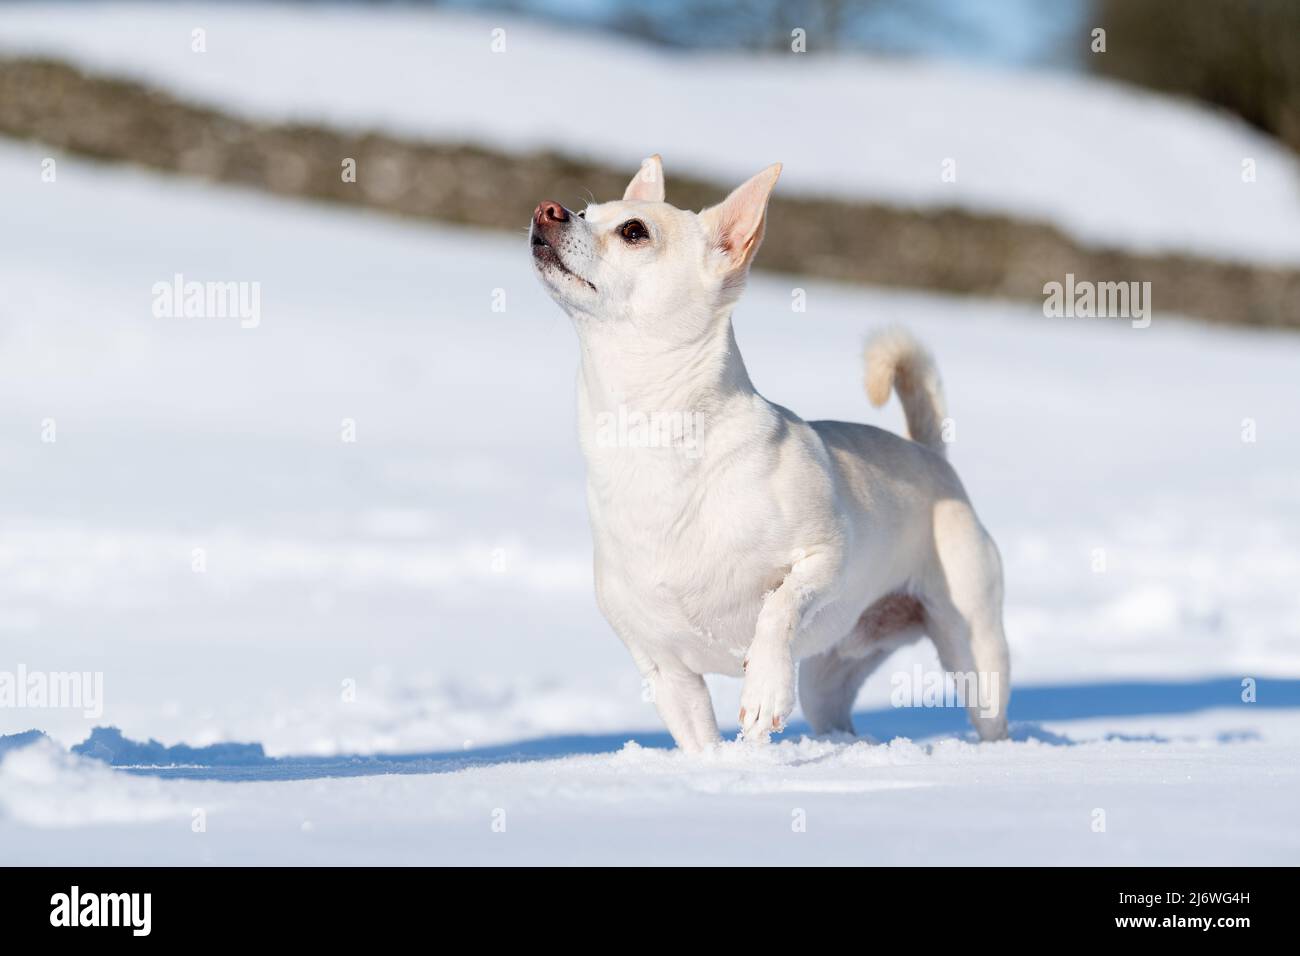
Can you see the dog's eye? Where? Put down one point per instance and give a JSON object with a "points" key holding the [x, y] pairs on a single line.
{"points": [[633, 230], [583, 214]]}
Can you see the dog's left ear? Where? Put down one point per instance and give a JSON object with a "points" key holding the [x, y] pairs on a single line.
{"points": [[648, 184], [735, 225]]}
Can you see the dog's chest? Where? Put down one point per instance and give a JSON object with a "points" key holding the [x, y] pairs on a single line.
{"points": [[683, 559]]}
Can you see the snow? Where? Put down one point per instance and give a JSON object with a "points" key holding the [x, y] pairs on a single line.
{"points": [[1170, 792], [44, 787], [1108, 164], [405, 623]]}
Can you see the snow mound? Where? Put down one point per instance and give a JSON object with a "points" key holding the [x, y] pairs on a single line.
{"points": [[42, 785]]}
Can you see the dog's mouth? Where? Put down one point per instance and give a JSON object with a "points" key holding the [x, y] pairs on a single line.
{"points": [[544, 254]]}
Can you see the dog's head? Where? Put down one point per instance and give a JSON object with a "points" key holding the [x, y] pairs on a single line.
{"points": [[667, 272]]}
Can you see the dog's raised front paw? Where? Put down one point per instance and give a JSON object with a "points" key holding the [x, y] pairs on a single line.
{"points": [[767, 698]]}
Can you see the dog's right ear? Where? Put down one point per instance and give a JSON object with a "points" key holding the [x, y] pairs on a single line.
{"points": [[648, 184]]}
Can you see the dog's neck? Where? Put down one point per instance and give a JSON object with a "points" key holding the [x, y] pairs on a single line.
{"points": [[705, 377]]}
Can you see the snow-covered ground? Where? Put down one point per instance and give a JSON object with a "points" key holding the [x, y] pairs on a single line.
{"points": [[1108, 164], [437, 569], [1173, 794]]}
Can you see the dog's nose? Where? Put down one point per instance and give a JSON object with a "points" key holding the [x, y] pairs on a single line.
{"points": [[549, 211]]}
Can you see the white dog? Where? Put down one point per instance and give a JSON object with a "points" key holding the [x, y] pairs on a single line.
{"points": [[745, 538]]}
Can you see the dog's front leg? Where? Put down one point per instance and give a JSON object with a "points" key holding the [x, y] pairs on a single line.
{"points": [[681, 697], [767, 697], [683, 701]]}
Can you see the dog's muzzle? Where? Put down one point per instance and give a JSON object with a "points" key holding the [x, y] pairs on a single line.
{"points": [[549, 221]]}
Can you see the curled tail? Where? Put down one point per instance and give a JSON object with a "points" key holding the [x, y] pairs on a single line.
{"points": [[897, 361]]}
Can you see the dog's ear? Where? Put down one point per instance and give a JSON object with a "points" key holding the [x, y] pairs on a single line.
{"points": [[735, 225], [648, 184]]}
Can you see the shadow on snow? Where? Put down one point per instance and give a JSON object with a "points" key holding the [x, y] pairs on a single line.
{"points": [[1029, 707]]}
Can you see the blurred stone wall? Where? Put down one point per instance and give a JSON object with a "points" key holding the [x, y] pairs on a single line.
{"points": [[947, 250]]}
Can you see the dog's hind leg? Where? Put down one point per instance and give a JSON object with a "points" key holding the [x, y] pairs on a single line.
{"points": [[829, 682], [974, 650], [828, 685], [964, 617]]}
